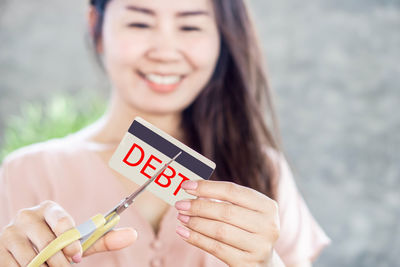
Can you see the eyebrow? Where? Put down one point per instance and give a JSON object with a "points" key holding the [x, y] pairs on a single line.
{"points": [[141, 10], [179, 14], [192, 13]]}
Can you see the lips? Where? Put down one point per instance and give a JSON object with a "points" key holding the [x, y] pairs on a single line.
{"points": [[162, 82]]}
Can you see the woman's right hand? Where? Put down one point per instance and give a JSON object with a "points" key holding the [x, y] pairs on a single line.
{"points": [[34, 228]]}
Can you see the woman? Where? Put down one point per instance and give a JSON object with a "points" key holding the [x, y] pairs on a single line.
{"points": [[193, 69]]}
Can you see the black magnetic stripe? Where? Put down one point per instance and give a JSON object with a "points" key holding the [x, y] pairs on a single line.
{"points": [[169, 149]]}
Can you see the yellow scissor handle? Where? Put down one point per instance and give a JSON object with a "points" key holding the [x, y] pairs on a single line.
{"points": [[112, 219], [62, 241], [56, 245]]}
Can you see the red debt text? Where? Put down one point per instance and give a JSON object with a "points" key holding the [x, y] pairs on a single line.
{"points": [[135, 157]]}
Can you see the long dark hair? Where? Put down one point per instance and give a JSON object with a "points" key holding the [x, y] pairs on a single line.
{"points": [[226, 121]]}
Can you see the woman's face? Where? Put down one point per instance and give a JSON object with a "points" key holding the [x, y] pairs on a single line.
{"points": [[159, 54]]}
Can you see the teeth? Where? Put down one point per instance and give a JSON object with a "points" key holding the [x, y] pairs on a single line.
{"points": [[172, 79]]}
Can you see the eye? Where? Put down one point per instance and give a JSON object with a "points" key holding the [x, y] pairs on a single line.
{"points": [[190, 28], [139, 25]]}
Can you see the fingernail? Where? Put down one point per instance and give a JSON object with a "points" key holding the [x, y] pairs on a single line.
{"points": [[190, 185], [182, 205], [77, 258], [183, 218], [182, 231]]}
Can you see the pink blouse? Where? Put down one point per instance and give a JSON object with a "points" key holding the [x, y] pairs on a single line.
{"points": [[70, 173]]}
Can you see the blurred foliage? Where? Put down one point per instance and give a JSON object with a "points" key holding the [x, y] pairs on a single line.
{"points": [[56, 118]]}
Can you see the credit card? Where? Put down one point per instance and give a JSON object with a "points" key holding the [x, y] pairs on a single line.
{"points": [[145, 149]]}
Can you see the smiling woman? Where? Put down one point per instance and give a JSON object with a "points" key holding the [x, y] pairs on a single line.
{"points": [[159, 47], [193, 69]]}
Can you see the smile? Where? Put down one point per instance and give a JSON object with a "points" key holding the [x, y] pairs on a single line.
{"points": [[170, 79], [161, 78], [162, 82]]}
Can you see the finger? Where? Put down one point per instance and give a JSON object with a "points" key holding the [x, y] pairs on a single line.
{"points": [[226, 212], [229, 191], [59, 222], [223, 232], [41, 235], [222, 251], [7, 259], [21, 249], [113, 240]]}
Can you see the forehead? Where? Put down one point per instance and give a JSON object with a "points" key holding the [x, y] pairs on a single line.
{"points": [[169, 6]]}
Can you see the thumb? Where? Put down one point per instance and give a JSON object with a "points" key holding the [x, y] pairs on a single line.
{"points": [[113, 240]]}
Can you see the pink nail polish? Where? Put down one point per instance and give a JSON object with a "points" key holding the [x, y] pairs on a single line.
{"points": [[183, 218], [190, 185], [182, 231], [77, 258], [182, 205]]}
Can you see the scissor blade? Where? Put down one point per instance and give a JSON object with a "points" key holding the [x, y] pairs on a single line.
{"points": [[128, 201]]}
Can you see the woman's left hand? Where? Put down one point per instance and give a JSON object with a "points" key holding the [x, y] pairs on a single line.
{"points": [[240, 231]]}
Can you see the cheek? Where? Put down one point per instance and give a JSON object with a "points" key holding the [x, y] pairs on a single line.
{"points": [[121, 49], [121, 45], [204, 52], [203, 55]]}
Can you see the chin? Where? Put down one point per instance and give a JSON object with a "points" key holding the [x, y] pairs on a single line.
{"points": [[144, 99], [160, 108]]}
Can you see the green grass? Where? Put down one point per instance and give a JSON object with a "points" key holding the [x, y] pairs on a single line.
{"points": [[56, 118]]}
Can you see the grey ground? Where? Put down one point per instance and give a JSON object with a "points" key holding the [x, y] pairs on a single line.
{"points": [[334, 67]]}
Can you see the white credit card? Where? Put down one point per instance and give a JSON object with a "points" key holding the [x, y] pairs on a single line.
{"points": [[145, 149]]}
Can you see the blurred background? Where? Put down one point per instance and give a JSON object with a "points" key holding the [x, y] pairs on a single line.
{"points": [[334, 68]]}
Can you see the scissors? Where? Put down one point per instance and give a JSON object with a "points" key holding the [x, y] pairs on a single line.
{"points": [[93, 229]]}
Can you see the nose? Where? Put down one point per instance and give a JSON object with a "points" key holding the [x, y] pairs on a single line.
{"points": [[165, 46]]}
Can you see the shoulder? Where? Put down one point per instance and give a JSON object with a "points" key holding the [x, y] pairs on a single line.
{"points": [[25, 175], [36, 170], [32, 157], [42, 171], [301, 237]]}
